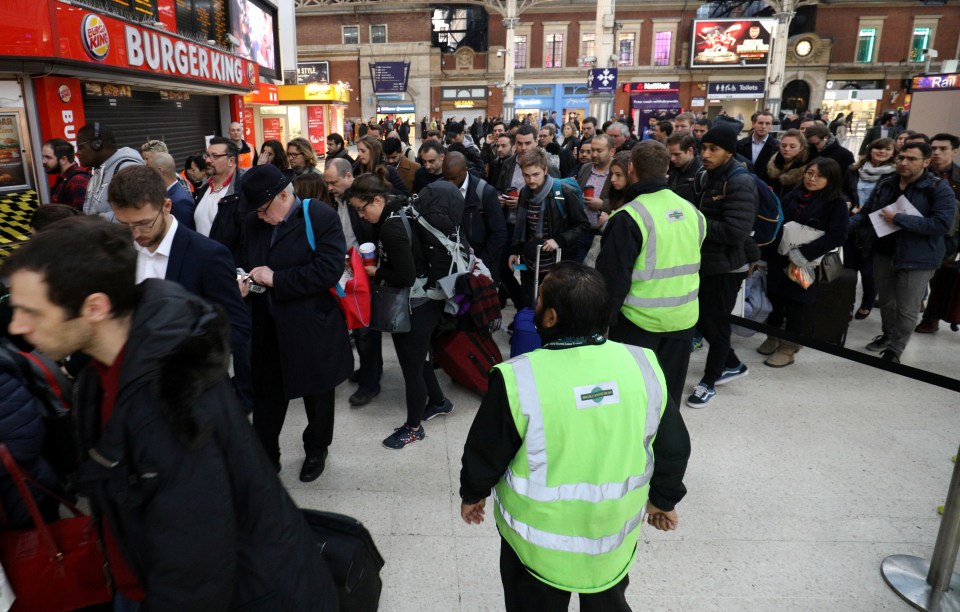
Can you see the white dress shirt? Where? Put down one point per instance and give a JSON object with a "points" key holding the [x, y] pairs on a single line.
{"points": [[463, 188], [154, 265], [757, 147], [206, 210]]}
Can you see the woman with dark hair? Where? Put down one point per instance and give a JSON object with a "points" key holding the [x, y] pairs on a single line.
{"points": [[785, 170], [619, 179], [370, 161], [271, 152], [310, 185], [402, 264], [817, 203], [861, 180], [194, 172]]}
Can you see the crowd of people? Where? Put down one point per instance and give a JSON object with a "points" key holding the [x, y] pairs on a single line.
{"points": [[657, 230]]}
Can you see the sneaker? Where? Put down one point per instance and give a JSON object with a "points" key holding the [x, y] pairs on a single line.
{"points": [[732, 374], [702, 394], [889, 355], [403, 436], [878, 344], [696, 344], [435, 410]]}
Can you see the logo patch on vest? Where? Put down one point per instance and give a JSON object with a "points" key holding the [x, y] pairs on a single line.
{"points": [[593, 396], [675, 215]]}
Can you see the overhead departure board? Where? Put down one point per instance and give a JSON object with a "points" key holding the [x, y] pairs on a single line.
{"points": [[202, 19], [133, 9]]}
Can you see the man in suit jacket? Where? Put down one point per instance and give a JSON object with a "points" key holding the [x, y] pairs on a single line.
{"points": [[760, 145], [407, 169], [886, 129], [183, 202], [484, 226], [167, 249]]}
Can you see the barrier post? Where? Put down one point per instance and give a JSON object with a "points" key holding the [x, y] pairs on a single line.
{"points": [[933, 586]]}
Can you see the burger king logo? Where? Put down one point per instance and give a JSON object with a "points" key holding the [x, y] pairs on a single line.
{"points": [[96, 38], [64, 92], [251, 74]]}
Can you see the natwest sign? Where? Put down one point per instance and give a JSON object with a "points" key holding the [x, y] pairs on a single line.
{"points": [[104, 40], [652, 86]]}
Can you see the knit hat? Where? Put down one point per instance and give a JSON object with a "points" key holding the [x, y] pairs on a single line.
{"points": [[722, 136]]}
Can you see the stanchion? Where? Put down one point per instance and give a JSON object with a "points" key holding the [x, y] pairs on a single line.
{"points": [[932, 586]]}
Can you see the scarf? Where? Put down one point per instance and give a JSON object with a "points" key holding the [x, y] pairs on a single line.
{"points": [[871, 174], [546, 189]]}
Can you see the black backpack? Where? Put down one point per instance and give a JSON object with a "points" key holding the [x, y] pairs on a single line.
{"points": [[437, 212]]}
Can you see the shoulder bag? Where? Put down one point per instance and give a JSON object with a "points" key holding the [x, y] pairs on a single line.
{"points": [[390, 306]]}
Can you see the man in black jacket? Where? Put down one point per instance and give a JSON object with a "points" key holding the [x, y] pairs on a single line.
{"points": [[337, 149], [760, 145], [685, 166], [730, 206], [193, 517], [826, 144], [483, 223], [217, 213]]}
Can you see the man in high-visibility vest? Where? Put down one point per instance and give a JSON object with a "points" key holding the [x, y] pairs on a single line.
{"points": [[581, 443], [650, 258], [246, 157]]}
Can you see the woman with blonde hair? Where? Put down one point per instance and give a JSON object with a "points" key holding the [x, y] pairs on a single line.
{"points": [[785, 170]]}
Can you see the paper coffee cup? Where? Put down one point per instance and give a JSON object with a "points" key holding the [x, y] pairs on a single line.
{"points": [[368, 253], [588, 192]]}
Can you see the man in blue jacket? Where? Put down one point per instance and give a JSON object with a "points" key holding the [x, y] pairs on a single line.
{"points": [[905, 260]]}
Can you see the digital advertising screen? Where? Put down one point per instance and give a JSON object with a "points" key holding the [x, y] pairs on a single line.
{"points": [[719, 43], [254, 25]]}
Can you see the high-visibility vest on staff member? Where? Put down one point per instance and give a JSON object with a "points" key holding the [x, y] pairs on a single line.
{"points": [[573, 498], [666, 280]]}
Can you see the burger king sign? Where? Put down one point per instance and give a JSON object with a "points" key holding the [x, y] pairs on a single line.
{"points": [[96, 38]]}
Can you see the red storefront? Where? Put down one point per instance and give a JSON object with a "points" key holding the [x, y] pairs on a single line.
{"points": [[63, 65]]}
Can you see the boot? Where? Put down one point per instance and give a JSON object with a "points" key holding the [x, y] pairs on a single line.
{"points": [[784, 355], [928, 326], [769, 346]]}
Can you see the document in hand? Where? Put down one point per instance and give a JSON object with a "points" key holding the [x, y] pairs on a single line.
{"points": [[882, 227]]}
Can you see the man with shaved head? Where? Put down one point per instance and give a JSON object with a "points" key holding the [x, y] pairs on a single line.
{"points": [[484, 226], [247, 157], [183, 203]]}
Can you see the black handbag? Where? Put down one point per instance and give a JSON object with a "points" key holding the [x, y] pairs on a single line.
{"points": [[354, 561], [390, 309], [830, 268]]}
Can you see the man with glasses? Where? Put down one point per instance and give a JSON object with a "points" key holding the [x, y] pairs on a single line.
{"points": [[826, 145], [300, 343], [168, 249], [905, 260], [97, 150], [216, 213]]}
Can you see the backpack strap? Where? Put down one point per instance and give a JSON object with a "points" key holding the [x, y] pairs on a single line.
{"points": [[559, 199], [479, 189], [309, 223]]}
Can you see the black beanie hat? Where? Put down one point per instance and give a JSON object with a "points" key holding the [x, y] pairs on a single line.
{"points": [[723, 137]]}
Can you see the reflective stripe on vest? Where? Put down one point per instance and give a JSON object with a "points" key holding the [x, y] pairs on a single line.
{"points": [[649, 270], [536, 487]]}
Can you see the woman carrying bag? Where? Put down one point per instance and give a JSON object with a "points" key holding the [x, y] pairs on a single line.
{"points": [[402, 266], [818, 204]]}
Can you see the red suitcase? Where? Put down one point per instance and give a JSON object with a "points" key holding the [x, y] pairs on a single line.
{"points": [[467, 358]]}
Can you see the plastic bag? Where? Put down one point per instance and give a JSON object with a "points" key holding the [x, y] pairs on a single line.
{"points": [[801, 275]]}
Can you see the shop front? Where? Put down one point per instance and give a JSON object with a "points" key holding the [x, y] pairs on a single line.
{"points": [[309, 111], [267, 96], [738, 99], [464, 102], [574, 103], [139, 80], [651, 99], [859, 97]]}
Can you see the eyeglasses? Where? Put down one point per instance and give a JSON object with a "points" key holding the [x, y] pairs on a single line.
{"points": [[813, 176], [904, 158], [214, 155], [144, 225], [263, 209], [294, 154]]}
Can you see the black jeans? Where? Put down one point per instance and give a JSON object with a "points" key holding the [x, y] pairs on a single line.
{"points": [[718, 294], [370, 350], [413, 349], [854, 259], [270, 404], [673, 352], [522, 592]]}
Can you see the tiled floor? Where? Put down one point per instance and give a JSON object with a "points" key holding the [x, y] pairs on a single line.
{"points": [[801, 481]]}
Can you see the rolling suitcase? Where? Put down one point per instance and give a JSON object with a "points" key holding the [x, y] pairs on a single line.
{"points": [[352, 557], [525, 337], [832, 309], [467, 357]]}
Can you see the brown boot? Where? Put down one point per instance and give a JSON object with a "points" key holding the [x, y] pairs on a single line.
{"points": [[769, 346], [784, 355], [928, 327]]}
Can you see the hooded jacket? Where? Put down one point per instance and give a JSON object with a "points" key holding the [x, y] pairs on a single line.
{"points": [[180, 478], [730, 207], [96, 202]]}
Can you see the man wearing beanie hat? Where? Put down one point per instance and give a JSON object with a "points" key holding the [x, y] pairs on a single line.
{"points": [[729, 204], [300, 342]]}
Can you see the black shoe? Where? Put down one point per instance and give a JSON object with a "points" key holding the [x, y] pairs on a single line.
{"points": [[362, 397], [313, 466], [354, 377], [889, 355]]}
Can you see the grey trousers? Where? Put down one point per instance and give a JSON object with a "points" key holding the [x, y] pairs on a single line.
{"points": [[901, 292]]}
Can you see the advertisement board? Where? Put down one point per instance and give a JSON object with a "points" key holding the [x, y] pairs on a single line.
{"points": [[272, 128], [315, 129], [313, 72], [719, 43], [13, 171]]}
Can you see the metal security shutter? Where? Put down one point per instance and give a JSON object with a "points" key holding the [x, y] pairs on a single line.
{"points": [[145, 116]]}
